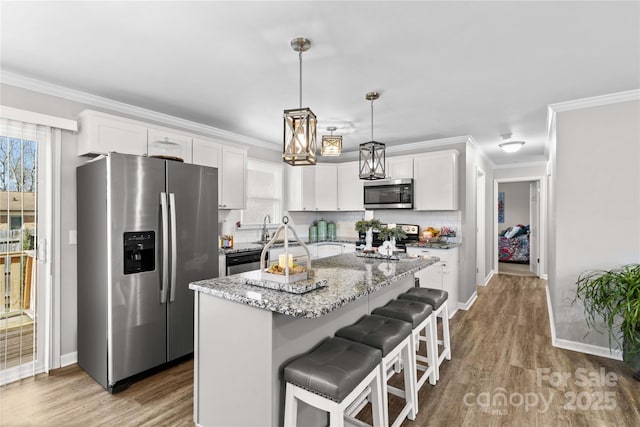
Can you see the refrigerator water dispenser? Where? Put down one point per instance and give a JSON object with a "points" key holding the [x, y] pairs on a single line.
{"points": [[139, 251]]}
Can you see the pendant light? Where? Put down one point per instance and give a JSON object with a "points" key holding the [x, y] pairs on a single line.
{"points": [[331, 145], [300, 123], [372, 153], [510, 146]]}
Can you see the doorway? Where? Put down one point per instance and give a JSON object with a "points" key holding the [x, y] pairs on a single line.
{"points": [[519, 225], [21, 228]]}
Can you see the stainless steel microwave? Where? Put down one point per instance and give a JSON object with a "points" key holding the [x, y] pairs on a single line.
{"points": [[388, 194]]}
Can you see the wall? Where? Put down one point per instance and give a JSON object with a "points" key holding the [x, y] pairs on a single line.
{"points": [[594, 205], [516, 206]]}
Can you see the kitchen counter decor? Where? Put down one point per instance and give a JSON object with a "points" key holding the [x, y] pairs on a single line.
{"points": [[285, 270], [367, 226]]}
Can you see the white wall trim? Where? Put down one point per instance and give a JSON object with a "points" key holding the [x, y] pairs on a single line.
{"points": [[19, 372], [574, 345], [552, 321], [488, 278], [521, 165], [472, 141], [595, 350], [595, 101], [68, 359], [25, 116], [28, 83], [467, 305]]}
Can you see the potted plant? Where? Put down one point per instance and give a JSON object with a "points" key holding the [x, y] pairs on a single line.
{"points": [[392, 232], [367, 226], [614, 296]]}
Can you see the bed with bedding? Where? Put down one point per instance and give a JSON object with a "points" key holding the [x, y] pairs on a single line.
{"points": [[513, 245]]}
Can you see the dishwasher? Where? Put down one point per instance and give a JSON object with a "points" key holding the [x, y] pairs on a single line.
{"points": [[240, 262]]}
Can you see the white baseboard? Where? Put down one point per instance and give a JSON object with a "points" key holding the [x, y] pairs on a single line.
{"points": [[467, 305], [488, 278], [16, 373], [68, 359], [580, 347], [544, 277]]}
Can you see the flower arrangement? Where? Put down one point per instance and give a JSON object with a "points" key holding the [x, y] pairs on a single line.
{"points": [[391, 231], [363, 225]]}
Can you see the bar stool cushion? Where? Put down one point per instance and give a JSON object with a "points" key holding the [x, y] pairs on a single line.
{"points": [[334, 368], [434, 297], [410, 311], [377, 331]]}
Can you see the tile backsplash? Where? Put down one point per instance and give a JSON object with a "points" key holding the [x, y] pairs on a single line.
{"points": [[345, 222]]}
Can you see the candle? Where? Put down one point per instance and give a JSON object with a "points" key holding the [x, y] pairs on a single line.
{"points": [[282, 260]]}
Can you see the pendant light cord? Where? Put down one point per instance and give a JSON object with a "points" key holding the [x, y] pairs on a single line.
{"points": [[371, 119], [300, 59]]}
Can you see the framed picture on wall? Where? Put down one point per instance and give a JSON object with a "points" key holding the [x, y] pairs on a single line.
{"points": [[501, 207]]}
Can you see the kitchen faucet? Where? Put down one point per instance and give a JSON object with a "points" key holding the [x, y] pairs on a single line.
{"points": [[265, 233]]}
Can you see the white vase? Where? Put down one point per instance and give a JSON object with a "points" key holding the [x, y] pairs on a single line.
{"points": [[393, 243], [368, 240]]}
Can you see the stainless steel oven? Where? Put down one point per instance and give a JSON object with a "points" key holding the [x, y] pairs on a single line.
{"points": [[239, 262], [389, 194]]}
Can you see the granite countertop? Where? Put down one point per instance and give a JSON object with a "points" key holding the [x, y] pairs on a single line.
{"points": [[252, 246], [348, 277], [449, 245]]}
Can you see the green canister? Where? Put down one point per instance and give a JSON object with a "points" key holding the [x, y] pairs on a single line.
{"points": [[322, 230], [313, 233], [331, 230]]}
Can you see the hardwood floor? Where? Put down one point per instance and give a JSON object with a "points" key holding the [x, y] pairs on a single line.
{"points": [[500, 347]]}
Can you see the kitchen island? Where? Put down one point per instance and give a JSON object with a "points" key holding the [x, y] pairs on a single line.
{"points": [[246, 334]]}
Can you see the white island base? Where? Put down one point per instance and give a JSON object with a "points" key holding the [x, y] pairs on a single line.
{"points": [[240, 353]]}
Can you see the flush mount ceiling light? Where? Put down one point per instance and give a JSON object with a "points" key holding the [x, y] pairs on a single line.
{"points": [[510, 146], [300, 123], [331, 144], [372, 153]]}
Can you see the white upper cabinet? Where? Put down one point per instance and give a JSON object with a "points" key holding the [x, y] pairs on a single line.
{"points": [[234, 178], [399, 167], [326, 187], [166, 142], [301, 188], [350, 193], [232, 170], [436, 181], [102, 133]]}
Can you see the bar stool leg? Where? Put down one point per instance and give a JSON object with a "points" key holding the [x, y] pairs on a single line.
{"points": [[377, 405], [445, 332], [290, 407]]}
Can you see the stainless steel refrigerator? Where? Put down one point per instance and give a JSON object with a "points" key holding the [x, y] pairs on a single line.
{"points": [[147, 227]]}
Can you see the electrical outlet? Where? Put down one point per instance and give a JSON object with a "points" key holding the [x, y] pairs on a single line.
{"points": [[73, 237]]}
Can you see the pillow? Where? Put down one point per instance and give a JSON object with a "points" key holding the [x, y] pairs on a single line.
{"points": [[513, 232]]}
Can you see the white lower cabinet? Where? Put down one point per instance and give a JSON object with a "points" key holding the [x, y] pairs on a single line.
{"points": [[328, 249], [348, 248], [441, 275]]}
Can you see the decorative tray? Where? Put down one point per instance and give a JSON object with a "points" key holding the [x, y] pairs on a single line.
{"points": [[300, 287], [378, 256]]}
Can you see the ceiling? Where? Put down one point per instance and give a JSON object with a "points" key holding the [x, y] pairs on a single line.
{"points": [[444, 69]]}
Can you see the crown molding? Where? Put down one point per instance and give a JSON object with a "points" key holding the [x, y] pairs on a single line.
{"points": [[595, 101], [479, 149], [522, 165], [36, 85]]}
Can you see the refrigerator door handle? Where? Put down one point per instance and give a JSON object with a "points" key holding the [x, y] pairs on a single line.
{"points": [[165, 247], [172, 212]]}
